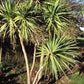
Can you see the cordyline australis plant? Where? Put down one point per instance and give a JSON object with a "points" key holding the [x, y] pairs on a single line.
{"points": [[58, 54], [56, 15], [8, 27], [18, 20]]}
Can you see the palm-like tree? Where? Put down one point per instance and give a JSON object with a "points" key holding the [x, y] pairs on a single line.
{"points": [[56, 14], [17, 19], [7, 25], [59, 53], [27, 25]]}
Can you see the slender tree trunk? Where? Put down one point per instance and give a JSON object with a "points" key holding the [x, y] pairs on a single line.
{"points": [[36, 76], [41, 64], [33, 61], [0, 53], [26, 59]]}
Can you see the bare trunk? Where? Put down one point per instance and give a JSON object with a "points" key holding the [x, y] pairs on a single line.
{"points": [[41, 64], [0, 54], [33, 61], [36, 76], [26, 59]]}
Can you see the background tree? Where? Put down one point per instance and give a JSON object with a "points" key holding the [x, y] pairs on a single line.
{"points": [[56, 15]]}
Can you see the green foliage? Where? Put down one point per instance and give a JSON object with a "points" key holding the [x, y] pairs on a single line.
{"points": [[80, 39], [56, 14], [7, 24], [19, 17], [1, 67], [59, 52], [26, 20], [77, 80]]}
